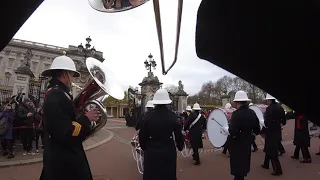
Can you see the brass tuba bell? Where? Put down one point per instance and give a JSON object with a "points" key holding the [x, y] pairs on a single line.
{"points": [[113, 6], [101, 84]]}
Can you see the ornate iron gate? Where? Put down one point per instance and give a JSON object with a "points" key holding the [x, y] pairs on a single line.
{"points": [[37, 89]]}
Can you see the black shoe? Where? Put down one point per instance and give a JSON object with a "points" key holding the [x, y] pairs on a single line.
{"points": [[318, 153], [5, 154], [294, 157], [10, 156], [196, 163], [306, 161], [264, 167], [276, 174]]}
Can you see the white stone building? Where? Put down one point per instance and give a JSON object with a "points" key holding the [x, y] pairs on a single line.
{"points": [[39, 57]]}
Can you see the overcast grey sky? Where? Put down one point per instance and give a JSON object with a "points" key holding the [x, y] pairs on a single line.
{"points": [[126, 38]]}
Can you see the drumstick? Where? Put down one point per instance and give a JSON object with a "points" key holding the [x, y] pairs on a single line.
{"points": [[216, 122]]}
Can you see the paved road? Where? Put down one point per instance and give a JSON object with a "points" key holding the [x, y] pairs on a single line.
{"points": [[113, 161]]}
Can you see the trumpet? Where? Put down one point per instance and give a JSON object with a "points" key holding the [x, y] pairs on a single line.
{"points": [[113, 6]]}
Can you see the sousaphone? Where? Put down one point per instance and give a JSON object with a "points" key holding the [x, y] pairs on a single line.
{"points": [[101, 84], [113, 6]]}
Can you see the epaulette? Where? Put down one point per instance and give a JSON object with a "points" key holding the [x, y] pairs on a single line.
{"points": [[56, 87]]}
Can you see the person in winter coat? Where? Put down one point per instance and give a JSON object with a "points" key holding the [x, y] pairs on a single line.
{"points": [[6, 139], [274, 116], [149, 107], [38, 128], [159, 136], [196, 125], [301, 138], [242, 124], [25, 114]]}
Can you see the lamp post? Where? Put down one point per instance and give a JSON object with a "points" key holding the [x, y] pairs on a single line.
{"points": [[150, 63], [87, 51]]}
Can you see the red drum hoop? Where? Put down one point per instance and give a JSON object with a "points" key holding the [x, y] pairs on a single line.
{"points": [[228, 112]]}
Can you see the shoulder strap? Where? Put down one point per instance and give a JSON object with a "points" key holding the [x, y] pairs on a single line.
{"points": [[195, 121], [56, 88]]}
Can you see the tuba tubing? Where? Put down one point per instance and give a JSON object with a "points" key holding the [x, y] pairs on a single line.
{"points": [[86, 99], [101, 83]]}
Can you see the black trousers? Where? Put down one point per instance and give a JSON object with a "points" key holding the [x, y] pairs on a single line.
{"points": [[304, 150], [238, 178], [27, 138], [274, 162], [195, 154], [226, 146], [39, 134], [7, 146], [254, 145], [281, 148]]}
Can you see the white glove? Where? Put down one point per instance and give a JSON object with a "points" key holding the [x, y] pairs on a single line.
{"points": [[225, 130]]}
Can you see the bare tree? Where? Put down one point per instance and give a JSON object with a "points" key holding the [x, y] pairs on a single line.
{"points": [[211, 92], [171, 88]]}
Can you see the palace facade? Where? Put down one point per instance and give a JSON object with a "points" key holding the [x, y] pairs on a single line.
{"points": [[38, 57]]}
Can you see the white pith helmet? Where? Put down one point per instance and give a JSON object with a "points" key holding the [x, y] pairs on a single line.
{"points": [[149, 105], [188, 108], [228, 106], [269, 97], [161, 97], [241, 96], [62, 63], [196, 106]]}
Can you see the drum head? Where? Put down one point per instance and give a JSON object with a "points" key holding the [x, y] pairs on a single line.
{"points": [[215, 136], [259, 113]]}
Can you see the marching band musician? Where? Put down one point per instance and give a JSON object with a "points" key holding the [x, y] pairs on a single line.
{"points": [[301, 138], [186, 113], [196, 125], [274, 116], [226, 145], [149, 107], [64, 130], [159, 135], [243, 123], [254, 145]]}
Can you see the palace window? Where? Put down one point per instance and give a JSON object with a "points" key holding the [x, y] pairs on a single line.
{"points": [[1, 61], [34, 66], [8, 77], [10, 63], [46, 66]]}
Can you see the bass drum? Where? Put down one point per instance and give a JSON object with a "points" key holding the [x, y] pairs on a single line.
{"points": [[137, 153], [259, 109], [187, 150], [134, 145], [139, 160], [217, 118]]}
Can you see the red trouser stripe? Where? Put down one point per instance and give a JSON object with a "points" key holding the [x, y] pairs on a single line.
{"points": [[274, 165]]}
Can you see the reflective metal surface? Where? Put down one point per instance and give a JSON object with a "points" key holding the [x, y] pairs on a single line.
{"points": [[112, 6], [104, 78]]}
